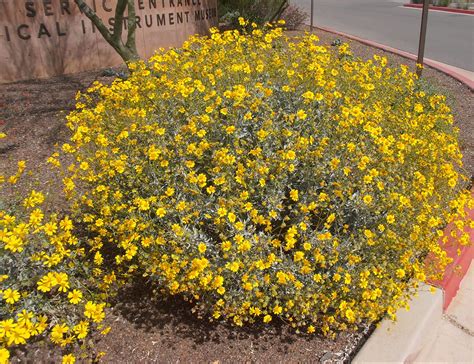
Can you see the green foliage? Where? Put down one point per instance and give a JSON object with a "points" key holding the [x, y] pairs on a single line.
{"points": [[257, 11]]}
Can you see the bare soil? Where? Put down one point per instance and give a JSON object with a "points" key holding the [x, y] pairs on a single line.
{"points": [[147, 328]]}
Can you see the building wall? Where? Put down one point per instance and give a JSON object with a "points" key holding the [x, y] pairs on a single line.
{"points": [[44, 38]]}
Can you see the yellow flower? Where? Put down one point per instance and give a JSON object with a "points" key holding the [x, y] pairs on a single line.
{"points": [[234, 266], [47, 282], [106, 331], [231, 216], [4, 353], [81, 329], [247, 286], [160, 212], [50, 228], [65, 224], [75, 296], [57, 333], [267, 319], [400, 273], [94, 311], [69, 359], [294, 195], [24, 318], [419, 108], [226, 245], [153, 153], [98, 259], [13, 243], [6, 328], [290, 155], [299, 255], [41, 324], [11, 295], [301, 114], [202, 180], [62, 280], [84, 166], [210, 190], [350, 315], [308, 95], [367, 199], [334, 163], [202, 248], [143, 205]]}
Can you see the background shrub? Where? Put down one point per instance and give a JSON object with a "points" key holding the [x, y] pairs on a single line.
{"points": [[259, 11], [294, 17], [261, 177]]}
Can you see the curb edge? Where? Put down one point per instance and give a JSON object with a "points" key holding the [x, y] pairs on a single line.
{"points": [[456, 271], [441, 8]]}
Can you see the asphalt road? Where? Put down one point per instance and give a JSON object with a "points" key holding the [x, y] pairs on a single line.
{"points": [[450, 36]]}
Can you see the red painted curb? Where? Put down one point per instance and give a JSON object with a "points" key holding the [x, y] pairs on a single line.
{"points": [[456, 271], [441, 8], [433, 64]]}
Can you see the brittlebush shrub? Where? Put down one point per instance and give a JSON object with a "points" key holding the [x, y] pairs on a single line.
{"points": [[49, 288], [261, 177]]}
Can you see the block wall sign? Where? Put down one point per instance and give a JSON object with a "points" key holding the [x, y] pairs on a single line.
{"points": [[44, 38]]}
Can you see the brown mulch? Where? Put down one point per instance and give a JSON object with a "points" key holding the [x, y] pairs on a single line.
{"points": [[150, 329]]}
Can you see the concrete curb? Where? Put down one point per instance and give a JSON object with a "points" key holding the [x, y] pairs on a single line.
{"points": [[401, 341], [456, 271], [446, 69], [441, 8], [415, 330]]}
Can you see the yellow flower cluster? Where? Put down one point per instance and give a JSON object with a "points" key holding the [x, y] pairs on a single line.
{"points": [[257, 176], [43, 280], [263, 177]]}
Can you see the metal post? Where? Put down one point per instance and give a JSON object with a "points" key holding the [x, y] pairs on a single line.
{"points": [[421, 46], [311, 27]]}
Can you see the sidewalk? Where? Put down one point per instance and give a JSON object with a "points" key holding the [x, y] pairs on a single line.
{"points": [[454, 339], [425, 334]]}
